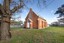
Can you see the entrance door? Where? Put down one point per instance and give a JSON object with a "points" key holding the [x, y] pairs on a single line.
{"points": [[28, 24]]}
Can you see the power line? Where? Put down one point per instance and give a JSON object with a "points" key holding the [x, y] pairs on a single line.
{"points": [[50, 3], [47, 5]]}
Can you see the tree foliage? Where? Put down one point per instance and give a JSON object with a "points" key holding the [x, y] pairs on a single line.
{"points": [[60, 11]]}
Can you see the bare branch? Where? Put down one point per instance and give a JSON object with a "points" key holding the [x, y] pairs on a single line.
{"points": [[2, 10], [16, 8], [6, 6]]}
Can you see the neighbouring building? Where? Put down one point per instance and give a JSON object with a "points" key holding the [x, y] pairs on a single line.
{"points": [[14, 23], [34, 21]]}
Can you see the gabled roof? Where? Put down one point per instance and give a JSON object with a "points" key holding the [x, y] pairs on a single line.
{"points": [[36, 14]]}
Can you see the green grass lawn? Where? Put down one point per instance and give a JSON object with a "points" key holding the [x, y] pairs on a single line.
{"points": [[47, 35]]}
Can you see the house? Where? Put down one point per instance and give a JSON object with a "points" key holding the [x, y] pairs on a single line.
{"points": [[34, 21], [14, 23]]}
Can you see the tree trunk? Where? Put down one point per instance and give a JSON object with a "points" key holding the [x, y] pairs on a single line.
{"points": [[0, 30], [5, 28]]}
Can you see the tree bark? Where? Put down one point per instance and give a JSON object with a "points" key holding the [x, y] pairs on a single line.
{"points": [[5, 28]]}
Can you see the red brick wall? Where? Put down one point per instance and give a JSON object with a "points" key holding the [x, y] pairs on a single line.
{"points": [[35, 21], [41, 23], [33, 24]]}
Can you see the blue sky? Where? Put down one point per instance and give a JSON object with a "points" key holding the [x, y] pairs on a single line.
{"points": [[45, 12]]}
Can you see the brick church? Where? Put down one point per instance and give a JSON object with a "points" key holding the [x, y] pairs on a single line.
{"points": [[34, 21]]}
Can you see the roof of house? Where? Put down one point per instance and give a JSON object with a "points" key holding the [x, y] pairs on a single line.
{"points": [[36, 14]]}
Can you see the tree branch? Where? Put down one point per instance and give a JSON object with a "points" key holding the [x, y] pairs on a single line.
{"points": [[2, 10], [6, 6], [16, 8]]}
